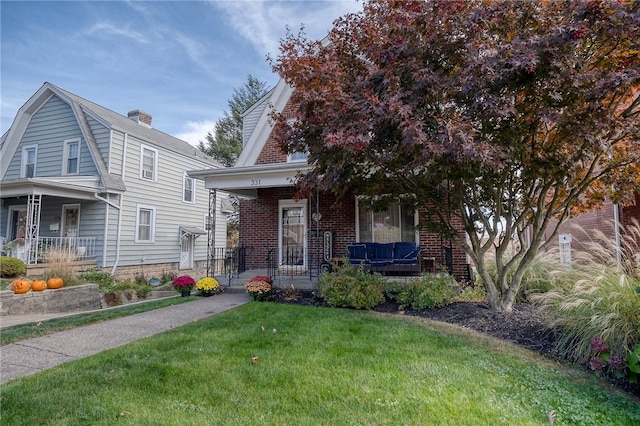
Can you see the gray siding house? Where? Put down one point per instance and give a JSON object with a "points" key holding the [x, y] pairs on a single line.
{"points": [[110, 189]]}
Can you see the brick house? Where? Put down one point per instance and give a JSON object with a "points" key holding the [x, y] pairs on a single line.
{"points": [[611, 219], [299, 235]]}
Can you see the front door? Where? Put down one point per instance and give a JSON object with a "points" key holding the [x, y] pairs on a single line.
{"points": [[70, 220], [292, 234], [17, 222], [186, 251]]}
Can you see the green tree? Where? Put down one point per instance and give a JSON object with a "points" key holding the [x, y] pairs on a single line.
{"points": [[495, 117], [224, 143]]}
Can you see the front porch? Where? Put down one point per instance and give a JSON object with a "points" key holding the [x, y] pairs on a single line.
{"points": [[35, 251]]}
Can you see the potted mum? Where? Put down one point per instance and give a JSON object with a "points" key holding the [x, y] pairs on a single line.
{"points": [[184, 284], [259, 287], [207, 286]]}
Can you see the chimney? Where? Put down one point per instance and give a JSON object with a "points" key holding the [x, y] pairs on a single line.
{"points": [[140, 117]]}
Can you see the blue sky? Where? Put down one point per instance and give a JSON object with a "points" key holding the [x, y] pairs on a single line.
{"points": [[177, 60]]}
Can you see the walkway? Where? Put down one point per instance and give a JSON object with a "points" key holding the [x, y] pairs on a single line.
{"points": [[40, 353]]}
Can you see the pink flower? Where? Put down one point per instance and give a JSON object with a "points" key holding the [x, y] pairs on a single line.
{"points": [[598, 345], [183, 282]]}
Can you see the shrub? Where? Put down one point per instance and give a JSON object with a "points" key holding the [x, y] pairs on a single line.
{"points": [[350, 287], [97, 276], [11, 267], [596, 297], [430, 291]]}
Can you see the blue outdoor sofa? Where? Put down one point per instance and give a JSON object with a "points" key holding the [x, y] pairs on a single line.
{"points": [[386, 257]]}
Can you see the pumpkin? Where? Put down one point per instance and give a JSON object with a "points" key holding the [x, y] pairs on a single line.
{"points": [[38, 285], [21, 286], [55, 283]]}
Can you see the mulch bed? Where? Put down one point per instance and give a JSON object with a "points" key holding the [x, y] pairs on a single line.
{"points": [[524, 327]]}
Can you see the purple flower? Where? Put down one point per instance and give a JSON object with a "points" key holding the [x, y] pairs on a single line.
{"points": [[596, 364], [598, 345], [618, 362]]}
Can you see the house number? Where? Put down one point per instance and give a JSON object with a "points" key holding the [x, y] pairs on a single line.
{"points": [[255, 182]]}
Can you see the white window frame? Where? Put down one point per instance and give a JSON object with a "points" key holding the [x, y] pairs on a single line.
{"points": [[186, 178], [66, 158], [152, 231], [154, 172], [25, 158]]}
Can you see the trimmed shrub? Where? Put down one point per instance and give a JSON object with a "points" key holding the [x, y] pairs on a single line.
{"points": [[350, 287], [430, 291], [11, 267]]}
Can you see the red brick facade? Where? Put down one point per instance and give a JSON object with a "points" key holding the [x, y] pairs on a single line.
{"points": [[601, 219], [259, 229]]}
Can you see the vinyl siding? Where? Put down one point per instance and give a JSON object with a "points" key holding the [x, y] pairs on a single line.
{"points": [[116, 153], [49, 127], [251, 120], [165, 195], [102, 136]]}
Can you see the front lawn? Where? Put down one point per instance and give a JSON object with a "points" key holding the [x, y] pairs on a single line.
{"points": [[266, 363]]}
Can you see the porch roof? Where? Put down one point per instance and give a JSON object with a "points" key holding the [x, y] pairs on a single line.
{"points": [[245, 181], [72, 187]]}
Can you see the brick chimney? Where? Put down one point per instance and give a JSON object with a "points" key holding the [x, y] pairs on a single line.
{"points": [[140, 117]]}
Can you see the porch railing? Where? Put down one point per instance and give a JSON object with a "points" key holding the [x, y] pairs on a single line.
{"points": [[229, 262], [78, 248]]}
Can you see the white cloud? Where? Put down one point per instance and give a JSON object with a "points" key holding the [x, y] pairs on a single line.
{"points": [[106, 28], [263, 22], [196, 131]]}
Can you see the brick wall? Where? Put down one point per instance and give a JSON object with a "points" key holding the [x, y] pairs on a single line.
{"points": [[259, 229]]}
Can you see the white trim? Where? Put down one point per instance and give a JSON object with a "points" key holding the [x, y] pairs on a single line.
{"points": [[152, 231], [23, 162], [65, 157], [154, 176]]}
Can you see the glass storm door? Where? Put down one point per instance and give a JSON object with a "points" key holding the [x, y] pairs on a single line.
{"points": [[70, 220], [186, 252], [293, 231]]}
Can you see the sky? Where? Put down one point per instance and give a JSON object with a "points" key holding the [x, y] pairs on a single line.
{"points": [[179, 61]]}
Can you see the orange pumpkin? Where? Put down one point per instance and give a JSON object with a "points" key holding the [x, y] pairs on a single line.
{"points": [[21, 286], [55, 283], [38, 285]]}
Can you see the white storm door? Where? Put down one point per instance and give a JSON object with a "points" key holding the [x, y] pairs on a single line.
{"points": [[186, 251]]}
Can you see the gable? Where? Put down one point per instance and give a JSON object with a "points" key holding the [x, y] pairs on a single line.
{"points": [[48, 129]]}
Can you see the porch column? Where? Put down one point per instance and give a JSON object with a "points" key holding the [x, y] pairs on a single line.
{"points": [[211, 231], [32, 231]]}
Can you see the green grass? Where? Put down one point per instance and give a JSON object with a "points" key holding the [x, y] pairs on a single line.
{"points": [[322, 366], [34, 329]]}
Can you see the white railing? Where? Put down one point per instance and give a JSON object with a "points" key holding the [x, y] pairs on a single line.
{"points": [[79, 248]]}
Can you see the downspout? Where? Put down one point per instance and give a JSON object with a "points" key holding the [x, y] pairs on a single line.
{"points": [[616, 228], [106, 228]]}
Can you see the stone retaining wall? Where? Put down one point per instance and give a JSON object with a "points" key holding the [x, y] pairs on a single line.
{"points": [[79, 298]]}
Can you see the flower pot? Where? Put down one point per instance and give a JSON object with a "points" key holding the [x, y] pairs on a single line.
{"points": [[185, 293]]}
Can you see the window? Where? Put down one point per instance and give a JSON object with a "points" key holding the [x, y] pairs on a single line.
{"points": [[29, 156], [148, 163], [145, 224], [297, 156], [188, 189], [71, 157], [396, 223]]}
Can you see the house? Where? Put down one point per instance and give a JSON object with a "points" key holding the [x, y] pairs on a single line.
{"points": [[288, 235], [108, 188], [613, 220]]}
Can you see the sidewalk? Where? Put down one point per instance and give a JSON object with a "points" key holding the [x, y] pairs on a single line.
{"points": [[40, 353]]}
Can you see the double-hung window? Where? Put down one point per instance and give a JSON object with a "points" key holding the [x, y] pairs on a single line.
{"points": [[71, 157], [148, 163], [29, 157], [145, 224], [188, 189], [396, 223]]}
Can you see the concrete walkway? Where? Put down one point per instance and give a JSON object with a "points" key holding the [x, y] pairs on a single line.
{"points": [[40, 353]]}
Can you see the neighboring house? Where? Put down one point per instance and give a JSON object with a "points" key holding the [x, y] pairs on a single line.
{"points": [[291, 235], [613, 220], [108, 188]]}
